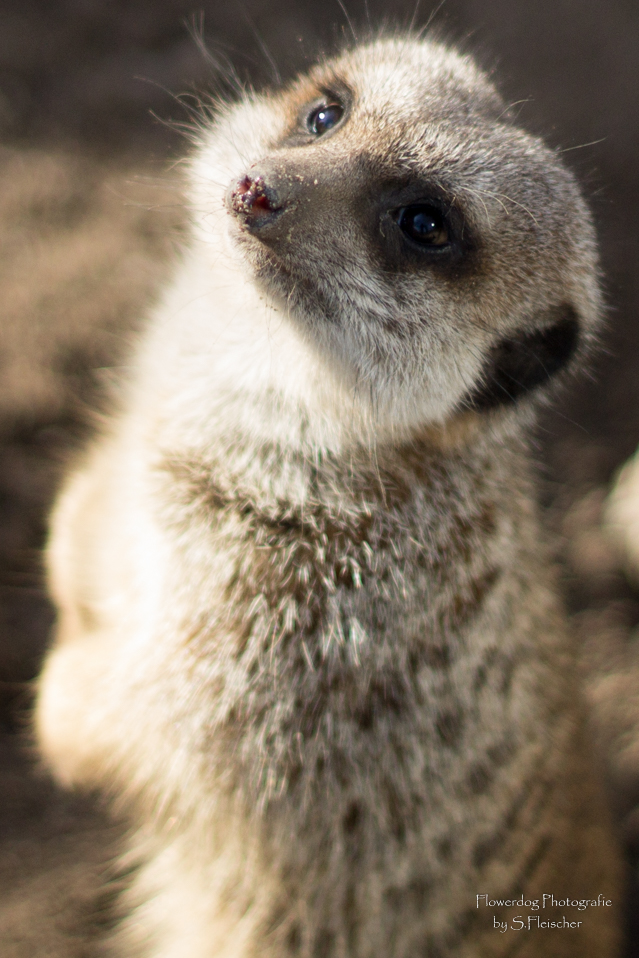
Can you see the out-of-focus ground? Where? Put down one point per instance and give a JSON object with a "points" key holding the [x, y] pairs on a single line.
{"points": [[90, 220]]}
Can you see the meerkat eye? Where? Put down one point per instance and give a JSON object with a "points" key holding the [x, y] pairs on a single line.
{"points": [[424, 224], [324, 117]]}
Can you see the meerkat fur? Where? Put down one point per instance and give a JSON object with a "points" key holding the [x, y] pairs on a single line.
{"points": [[309, 634]]}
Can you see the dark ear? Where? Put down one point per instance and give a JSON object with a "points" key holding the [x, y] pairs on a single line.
{"points": [[521, 363]]}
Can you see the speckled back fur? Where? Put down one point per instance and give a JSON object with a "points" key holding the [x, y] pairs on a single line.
{"points": [[309, 637]]}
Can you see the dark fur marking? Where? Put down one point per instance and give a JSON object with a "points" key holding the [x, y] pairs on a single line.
{"points": [[509, 669], [200, 490], [493, 845], [413, 895], [485, 849], [525, 362], [436, 657], [480, 778], [352, 819], [293, 940], [533, 860], [499, 754], [483, 773], [466, 920], [444, 849], [383, 697], [481, 675], [395, 810], [432, 949], [449, 727], [464, 607], [324, 945], [108, 907]]}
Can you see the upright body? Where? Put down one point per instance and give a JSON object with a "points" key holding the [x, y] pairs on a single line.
{"points": [[309, 633]]}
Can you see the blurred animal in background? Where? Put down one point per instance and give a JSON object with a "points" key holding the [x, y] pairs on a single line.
{"points": [[622, 516]]}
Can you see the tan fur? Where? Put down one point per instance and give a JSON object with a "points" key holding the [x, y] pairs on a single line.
{"points": [[621, 516], [309, 632]]}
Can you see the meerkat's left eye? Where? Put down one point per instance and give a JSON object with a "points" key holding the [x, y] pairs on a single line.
{"points": [[424, 224], [324, 117]]}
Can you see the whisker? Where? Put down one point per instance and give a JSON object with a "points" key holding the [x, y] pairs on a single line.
{"points": [[582, 146], [348, 20]]}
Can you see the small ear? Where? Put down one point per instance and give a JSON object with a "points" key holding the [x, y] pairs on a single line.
{"points": [[522, 363]]}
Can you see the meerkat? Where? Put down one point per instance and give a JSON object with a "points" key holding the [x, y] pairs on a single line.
{"points": [[309, 638]]}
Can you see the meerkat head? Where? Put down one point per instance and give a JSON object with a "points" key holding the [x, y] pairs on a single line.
{"points": [[434, 257]]}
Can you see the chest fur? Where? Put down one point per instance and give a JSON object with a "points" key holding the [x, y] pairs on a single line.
{"points": [[374, 624]]}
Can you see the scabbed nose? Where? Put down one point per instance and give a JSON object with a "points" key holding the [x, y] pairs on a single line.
{"points": [[255, 202]]}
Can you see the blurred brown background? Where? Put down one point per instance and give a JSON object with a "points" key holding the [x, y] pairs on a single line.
{"points": [[89, 220]]}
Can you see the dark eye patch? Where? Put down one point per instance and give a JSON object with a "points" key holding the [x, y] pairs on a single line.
{"points": [[422, 227], [522, 363]]}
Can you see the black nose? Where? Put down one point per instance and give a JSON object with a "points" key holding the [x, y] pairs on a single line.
{"points": [[254, 202]]}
